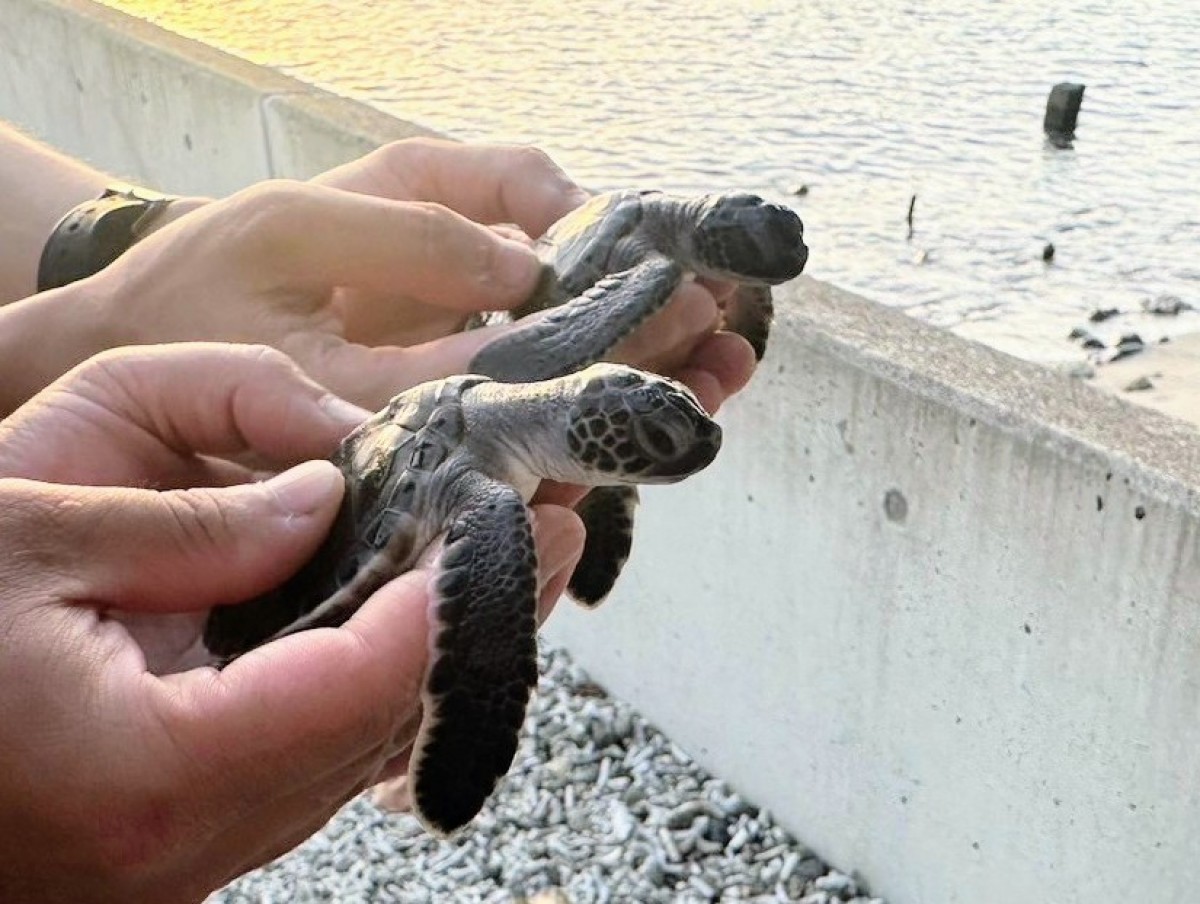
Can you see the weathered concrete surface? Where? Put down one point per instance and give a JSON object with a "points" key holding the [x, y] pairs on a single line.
{"points": [[310, 133], [936, 608], [165, 111]]}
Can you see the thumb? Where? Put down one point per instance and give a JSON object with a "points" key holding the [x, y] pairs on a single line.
{"points": [[176, 551]]}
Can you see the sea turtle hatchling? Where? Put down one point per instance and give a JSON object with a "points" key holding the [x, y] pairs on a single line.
{"points": [[616, 260], [458, 458], [619, 257]]}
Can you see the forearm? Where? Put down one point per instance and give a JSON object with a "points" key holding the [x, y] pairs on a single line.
{"points": [[44, 336], [39, 185]]}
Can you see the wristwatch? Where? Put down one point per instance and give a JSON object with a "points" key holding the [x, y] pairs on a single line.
{"points": [[94, 234]]}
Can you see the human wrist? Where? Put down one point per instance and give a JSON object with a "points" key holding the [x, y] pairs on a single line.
{"points": [[96, 232], [42, 184], [45, 335]]}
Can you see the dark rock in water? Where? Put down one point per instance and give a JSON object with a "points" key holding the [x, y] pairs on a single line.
{"points": [[1048, 252], [1165, 305], [1062, 111], [1130, 344], [800, 191], [1091, 342], [1141, 384], [1103, 314], [1079, 333]]}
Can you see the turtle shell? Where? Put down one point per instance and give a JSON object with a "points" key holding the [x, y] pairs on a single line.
{"points": [[393, 464], [585, 246]]}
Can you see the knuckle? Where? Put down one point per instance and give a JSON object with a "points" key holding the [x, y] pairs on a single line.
{"points": [[271, 361], [405, 149], [433, 228], [273, 197], [534, 159], [199, 522], [267, 214]]}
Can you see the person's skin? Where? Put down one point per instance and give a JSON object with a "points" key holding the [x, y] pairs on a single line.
{"points": [[39, 186], [117, 784], [352, 275]]}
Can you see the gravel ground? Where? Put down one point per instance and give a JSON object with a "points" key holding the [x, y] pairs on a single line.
{"points": [[599, 806]]}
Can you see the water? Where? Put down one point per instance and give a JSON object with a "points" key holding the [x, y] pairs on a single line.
{"points": [[866, 102]]}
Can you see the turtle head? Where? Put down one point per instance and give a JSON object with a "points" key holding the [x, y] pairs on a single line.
{"points": [[743, 237], [629, 426]]}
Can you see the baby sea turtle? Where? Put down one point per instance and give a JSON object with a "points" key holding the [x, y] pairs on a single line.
{"points": [[651, 240], [617, 259], [459, 458]]}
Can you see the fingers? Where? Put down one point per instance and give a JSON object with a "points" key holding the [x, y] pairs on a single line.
{"points": [[718, 368], [183, 550], [326, 238], [156, 407], [485, 183], [307, 705], [316, 701], [665, 341], [559, 535], [370, 375]]}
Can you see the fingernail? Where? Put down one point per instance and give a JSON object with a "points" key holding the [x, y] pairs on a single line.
{"points": [[517, 267], [347, 414], [306, 488]]}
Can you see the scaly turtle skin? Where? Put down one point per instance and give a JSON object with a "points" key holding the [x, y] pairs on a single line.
{"points": [[458, 459], [609, 265]]}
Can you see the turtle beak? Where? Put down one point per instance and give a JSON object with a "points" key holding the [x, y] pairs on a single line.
{"points": [[680, 440]]}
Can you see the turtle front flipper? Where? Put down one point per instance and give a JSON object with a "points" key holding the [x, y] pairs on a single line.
{"points": [[607, 515], [581, 331], [483, 656]]}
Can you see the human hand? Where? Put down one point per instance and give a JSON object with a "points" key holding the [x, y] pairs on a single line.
{"points": [[520, 192], [115, 783], [521, 187]]}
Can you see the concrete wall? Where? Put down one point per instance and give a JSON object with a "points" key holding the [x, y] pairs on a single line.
{"points": [[165, 111], [934, 607]]}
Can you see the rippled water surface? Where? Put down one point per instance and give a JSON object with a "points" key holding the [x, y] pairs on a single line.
{"points": [[866, 102]]}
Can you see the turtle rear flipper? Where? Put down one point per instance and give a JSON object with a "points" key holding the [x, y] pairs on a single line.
{"points": [[607, 515], [749, 314], [582, 331], [483, 657]]}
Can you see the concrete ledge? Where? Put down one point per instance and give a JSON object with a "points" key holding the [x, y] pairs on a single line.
{"points": [[168, 112], [935, 607], [310, 133]]}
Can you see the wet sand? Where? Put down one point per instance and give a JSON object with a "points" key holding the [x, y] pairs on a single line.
{"points": [[1173, 370]]}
